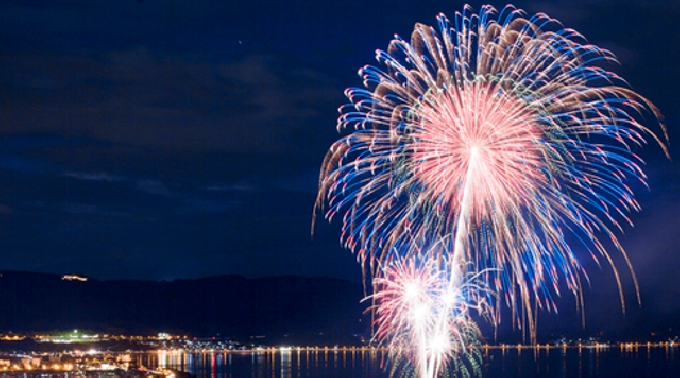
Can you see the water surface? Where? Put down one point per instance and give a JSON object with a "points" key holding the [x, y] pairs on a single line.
{"points": [[507, 363]]}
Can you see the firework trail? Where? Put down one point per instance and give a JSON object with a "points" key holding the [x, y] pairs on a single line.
{"points": [[501, 134]]}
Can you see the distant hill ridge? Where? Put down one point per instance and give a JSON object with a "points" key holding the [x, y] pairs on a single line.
{"points": [[294, 309]]}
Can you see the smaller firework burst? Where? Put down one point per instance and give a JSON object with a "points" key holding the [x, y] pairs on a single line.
{"points": [[423, 315]]}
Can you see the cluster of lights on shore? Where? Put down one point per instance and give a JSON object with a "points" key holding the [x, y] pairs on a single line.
{"points": [[163, 353]]}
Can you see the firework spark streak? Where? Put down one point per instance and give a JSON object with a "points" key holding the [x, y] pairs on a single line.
{"points": [[497, 134]]}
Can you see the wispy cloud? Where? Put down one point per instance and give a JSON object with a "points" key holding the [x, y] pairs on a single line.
{"points": [[95, 177]]}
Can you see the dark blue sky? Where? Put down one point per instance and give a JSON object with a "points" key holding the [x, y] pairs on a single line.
{"points": [[181, 139]]}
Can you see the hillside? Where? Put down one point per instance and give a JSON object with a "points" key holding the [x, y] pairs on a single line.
{"points": [[291, 309]]}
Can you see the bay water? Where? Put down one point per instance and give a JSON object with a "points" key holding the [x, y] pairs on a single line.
{"points": [[345, 362]]}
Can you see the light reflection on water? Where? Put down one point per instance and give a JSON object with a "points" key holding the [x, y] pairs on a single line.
{"points": [[511, 362], [284, 363]]}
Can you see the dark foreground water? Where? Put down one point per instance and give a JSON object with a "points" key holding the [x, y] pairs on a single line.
{"points": [[554, 362]]}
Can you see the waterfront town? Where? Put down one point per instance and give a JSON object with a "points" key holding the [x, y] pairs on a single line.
{"points": [[80, 353]]}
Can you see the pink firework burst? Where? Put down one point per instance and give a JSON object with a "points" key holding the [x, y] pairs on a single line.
{"points": [[499, 133], [423, 317], [476, 134], [495, 135]]}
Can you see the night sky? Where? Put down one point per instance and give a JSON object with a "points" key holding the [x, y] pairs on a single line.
{"points": [[166, 139]]}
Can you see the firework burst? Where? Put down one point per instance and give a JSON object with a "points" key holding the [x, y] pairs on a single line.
{"points": [[500, 135], [424, 318]]}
